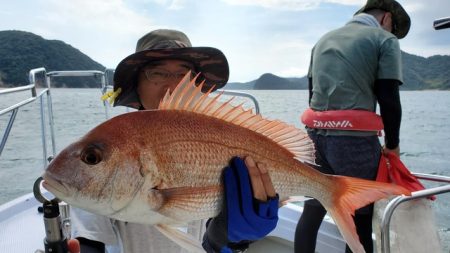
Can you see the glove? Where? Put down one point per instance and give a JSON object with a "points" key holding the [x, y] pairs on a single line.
{"points": [[243, 219]]}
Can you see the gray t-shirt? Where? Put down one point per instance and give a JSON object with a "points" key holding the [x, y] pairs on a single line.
{"points": [[125, 237], [345, 64]]}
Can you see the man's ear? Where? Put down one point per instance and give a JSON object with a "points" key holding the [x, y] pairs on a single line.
{"points": [[386, 17], [386, 21]]}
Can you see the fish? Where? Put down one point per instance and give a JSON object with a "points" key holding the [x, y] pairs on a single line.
{"points": [[164, 166]]}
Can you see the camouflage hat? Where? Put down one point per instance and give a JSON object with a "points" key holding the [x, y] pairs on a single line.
{"points": [[167, 44], [400, 18]]}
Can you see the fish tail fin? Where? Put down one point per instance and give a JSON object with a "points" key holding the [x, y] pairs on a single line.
{"points": [[353, 193]]}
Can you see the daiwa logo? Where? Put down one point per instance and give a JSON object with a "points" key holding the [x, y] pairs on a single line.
{"points": [[332, 124]]}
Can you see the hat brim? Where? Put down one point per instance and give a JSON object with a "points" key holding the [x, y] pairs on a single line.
{"points": [[400, 17], [210, 62]]}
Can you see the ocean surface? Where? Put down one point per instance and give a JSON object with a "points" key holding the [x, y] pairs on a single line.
{"points": [[425, 134]]}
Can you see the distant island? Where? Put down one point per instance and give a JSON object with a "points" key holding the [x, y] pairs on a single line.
{"points": [[419, 73], [22, 51]]}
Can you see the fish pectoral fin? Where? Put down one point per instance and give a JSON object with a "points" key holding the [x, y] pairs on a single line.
{"points": [[195, 202], [184, 240], [192, 201], [190, 193]]}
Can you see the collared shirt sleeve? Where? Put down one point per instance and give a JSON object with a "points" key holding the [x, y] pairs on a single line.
{"points": [[390, 60]]}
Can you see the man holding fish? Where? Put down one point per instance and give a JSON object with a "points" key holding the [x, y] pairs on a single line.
{"points": [[162, 59], [166, 167]]}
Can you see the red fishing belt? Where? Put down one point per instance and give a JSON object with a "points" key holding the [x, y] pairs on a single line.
{"points": [[390, 169], [357, 120]]}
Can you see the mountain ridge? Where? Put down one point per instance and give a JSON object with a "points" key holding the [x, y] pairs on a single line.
{"points": [[419, 73], [22, 51]]}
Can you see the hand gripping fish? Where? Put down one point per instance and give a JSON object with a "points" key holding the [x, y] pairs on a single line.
{"points": [[164, 166]]}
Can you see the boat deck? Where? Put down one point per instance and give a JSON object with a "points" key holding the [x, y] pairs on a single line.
{"points": [[21, 217]]}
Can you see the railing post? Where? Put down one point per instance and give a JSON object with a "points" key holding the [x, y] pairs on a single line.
{"points": [[43, 132], [103, 91], [392, 205], [50, 116], [8, 130]]}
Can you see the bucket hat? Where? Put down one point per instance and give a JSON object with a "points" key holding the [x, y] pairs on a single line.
{"points": [[400, 18], [165, 44]]}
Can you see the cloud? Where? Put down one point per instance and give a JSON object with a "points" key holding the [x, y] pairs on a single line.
{"points": [[106, 16], [346, 2], [293, 72], [286, 58], [422, 39], [169, 4], [177, 5], [291, 58], [104, 30], [277, 4], [291, 5]]}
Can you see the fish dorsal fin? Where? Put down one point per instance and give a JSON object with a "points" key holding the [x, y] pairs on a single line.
{"points": [[188, 97]]}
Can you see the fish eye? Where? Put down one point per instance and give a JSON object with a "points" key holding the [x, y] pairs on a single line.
{"points": [[91, 155]]}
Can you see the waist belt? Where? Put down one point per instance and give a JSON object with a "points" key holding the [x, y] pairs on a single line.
{"points": [[356, 120]]}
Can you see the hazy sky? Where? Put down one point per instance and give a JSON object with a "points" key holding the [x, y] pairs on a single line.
{"points": [[257, 36]]}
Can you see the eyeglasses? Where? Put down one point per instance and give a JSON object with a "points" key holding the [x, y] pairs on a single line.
{"points": [[162, 76]]}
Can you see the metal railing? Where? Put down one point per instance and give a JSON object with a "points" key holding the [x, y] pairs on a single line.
{"points": [[14, 109], [394, 203], [46, 118], [106, 86], [243, 94]]}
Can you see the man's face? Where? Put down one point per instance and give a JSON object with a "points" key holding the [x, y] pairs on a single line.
{"points": [[154, 80]]}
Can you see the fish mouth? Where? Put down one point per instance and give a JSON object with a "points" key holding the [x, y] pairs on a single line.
{"points": [[54, 185]]}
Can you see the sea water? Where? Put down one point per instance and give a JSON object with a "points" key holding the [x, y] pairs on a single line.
{"points": [[424, 139]]}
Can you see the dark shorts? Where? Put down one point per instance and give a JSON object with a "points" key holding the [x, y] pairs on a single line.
{"points": [[354, 156]]}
